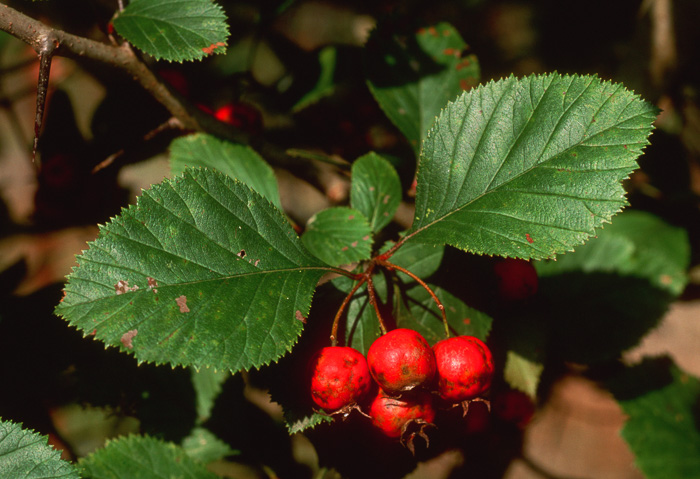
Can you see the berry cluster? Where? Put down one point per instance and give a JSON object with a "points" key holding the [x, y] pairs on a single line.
{"points": [[412, 378]]}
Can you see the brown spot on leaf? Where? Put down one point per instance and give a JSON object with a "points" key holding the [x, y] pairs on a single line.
{"points": [[128, 337], [467, 321], [210, 49], [182, 304], [241, 253], [386, 199], [529, 238], [123, 287], [463, 64], [351, 217], [344, 248], [365, 238], [354, 244], [300, 316]]}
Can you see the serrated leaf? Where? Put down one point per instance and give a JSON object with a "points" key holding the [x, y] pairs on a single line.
{"points": [[174, 30], [338, 235], [26, 454], [637, 244], [662, 418], [201, 272], [425, 317], [529, 167], [375, 189], [207, 385], [413, 76], [203, 446], [299, 423], [238, 161], [141, 457]]}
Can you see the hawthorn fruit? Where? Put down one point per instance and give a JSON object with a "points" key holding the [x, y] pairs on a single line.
{"points": [[517, 279], [401, 360], [393, 415], [339, 377], [464, 368]]}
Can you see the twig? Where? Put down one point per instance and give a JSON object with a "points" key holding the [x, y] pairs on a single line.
{"points": [[47, 47], [35, 33]]}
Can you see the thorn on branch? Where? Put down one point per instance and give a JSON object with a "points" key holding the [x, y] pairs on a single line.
{"points": [[46, 47]]}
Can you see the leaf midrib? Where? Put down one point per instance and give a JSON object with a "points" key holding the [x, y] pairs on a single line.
{"points": [[515, 177]]}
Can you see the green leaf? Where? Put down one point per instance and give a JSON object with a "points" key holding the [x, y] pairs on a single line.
{"points": [[421, 259], [203, 446], [338, 236], [529, 167], [325, 85], [201, 272], [174, 30], [141, 457], [522, 373], [525, 340], [375, 189], [635, 244], [661, 403], [413, 76], [299, 422], [425, 317], [26, 454], [361, 326], [207, 385], [407, 305], [237, 161]]}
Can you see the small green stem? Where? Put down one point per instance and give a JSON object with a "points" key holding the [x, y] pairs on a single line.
{"points": [[440, 306]]}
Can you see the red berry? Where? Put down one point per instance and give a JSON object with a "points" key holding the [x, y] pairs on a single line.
{"points": [[401, 360], [241, 116], [391, 414], [478, 418], [339, 377], [517, 279], [464, 368], [513, 406]]}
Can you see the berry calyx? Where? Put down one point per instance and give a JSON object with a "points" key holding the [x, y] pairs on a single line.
{"points": [[339, 377], [517, 279], [401, 360], [393, 415], [464, 368]]}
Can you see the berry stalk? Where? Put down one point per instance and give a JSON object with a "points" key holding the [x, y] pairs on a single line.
{"points": [[440, 306]]}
